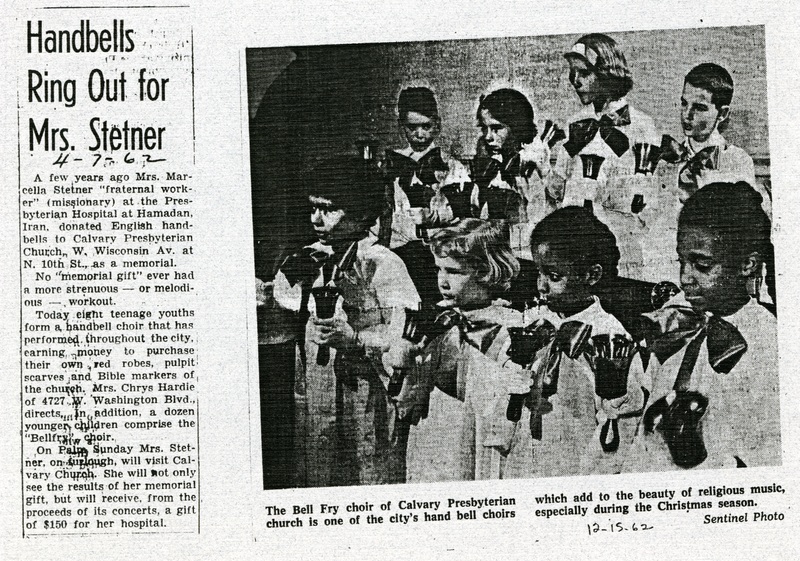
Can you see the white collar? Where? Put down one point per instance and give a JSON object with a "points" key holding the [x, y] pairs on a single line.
{"points": [[739, 317], [609, 108], [587, 314]]}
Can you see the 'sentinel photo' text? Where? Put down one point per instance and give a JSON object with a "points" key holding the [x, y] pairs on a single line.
{"points": [[516, 257]]}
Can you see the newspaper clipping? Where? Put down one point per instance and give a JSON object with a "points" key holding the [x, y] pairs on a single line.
{"points": [[109, 391], [454, 280]]}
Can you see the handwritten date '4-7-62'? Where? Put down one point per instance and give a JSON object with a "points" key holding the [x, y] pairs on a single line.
{"points": [[108, 137], [107, 161]]}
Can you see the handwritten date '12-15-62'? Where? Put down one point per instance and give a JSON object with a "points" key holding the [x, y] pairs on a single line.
{"points": [[617, 527]]}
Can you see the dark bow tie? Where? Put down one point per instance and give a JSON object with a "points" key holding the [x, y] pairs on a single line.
{"points": [[405, 168], [572, 339], [705, 159], [582, 132], [303, 265], [675, 327], [508, 169], [454, 317], [425, 325], [502, 203], [306, 264], [674, 152]]}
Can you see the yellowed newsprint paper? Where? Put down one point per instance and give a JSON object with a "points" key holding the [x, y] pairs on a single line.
{"points": [[374, 280]]}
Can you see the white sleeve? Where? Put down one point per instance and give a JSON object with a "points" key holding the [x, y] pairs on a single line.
{"points": [[287, 296]]}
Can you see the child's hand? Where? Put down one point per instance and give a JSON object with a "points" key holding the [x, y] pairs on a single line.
{"points": [[612, 408], [263, 293], [687, 184], [419, 216], [402, 354], [708, 176], [440, 210], [457, 174], [536, 154], [334, 332], [411, 404]]}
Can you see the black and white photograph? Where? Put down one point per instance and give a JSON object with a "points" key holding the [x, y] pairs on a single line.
{"points": [[513, 257]]}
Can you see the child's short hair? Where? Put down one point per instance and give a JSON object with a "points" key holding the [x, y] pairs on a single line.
{"points": [[419, 100], [732, 213], [513, 109], [484, 245], [576, 234], [714, 79], [606, 59], [350, 183]]}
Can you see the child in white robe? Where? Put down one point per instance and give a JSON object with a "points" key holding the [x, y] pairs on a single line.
{"points": [[597, 164], [349, 437], [572, 251], [459, 388], [713, 370]]}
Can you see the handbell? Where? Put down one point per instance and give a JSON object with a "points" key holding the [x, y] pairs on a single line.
{"points": [[543, 332], [662, 292], [591, 165], [396, 382], [612, 359], [411, 328], [682, 429], [325, 298], [515, 404], [637, 204], [525, 343], [611, 362], [501, 203], [459, 195], [646, 157], [420, 327], [522, 349], [413, 331]]}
